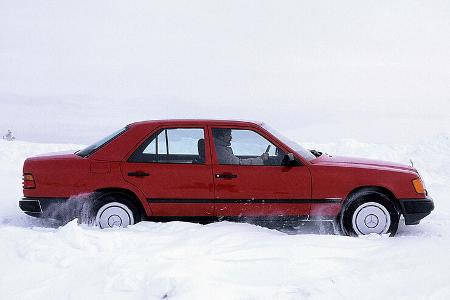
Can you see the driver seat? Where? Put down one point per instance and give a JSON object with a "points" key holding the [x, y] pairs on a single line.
{"points": [[201, 152]]}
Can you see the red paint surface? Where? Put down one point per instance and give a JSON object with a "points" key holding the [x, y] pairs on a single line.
{"points": [[323, 178]]}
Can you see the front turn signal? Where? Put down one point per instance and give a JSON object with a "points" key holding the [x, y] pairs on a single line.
{"points": [[418, 186]]}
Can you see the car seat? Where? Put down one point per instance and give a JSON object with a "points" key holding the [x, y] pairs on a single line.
{"points": [[201, 152]]}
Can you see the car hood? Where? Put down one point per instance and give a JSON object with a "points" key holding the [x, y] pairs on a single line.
{"points": [[55, 155], [353, 161]]}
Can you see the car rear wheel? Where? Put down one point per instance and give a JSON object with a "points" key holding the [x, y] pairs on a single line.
{"points": [[110, 211], [369, 212], [114, 214]]}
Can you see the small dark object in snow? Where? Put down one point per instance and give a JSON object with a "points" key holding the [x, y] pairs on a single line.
{"points": [[9, 136]]}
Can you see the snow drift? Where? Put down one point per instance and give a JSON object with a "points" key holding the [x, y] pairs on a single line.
{"points": [[224, 260]]}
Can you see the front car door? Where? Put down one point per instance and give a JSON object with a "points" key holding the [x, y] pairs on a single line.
{"points": [[249, 185], [172, 168]]}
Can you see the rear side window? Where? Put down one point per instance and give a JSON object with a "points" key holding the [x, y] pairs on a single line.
{"points": [[173, 145], [94, 147]]}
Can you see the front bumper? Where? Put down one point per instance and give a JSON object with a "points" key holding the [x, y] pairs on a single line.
{"points": [[415, 210], [52, 208]]}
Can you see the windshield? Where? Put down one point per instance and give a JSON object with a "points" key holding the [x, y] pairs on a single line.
{"points": [[293, 145], [94, 147]]}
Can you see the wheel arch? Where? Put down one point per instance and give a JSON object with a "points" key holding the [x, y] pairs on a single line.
{"points": [[371, 190], [121, 191]]}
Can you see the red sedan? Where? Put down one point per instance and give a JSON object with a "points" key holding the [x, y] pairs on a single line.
{"points": [[205, 170]]}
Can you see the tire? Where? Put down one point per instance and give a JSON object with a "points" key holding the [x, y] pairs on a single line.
{"points": [[110, 210], [369, 212]]}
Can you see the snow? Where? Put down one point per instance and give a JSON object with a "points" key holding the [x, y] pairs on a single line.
{"points": [[40, 259], [357, 78]]}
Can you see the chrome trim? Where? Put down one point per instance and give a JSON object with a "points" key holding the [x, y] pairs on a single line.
{"points": [[39, 203]]}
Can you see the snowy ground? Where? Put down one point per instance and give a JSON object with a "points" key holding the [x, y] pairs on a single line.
{"points": [[225, 260]]}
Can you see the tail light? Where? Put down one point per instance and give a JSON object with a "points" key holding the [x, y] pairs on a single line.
{"points": [[28, 181]]}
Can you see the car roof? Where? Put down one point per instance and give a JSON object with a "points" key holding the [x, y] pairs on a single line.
{"points": [[181, 122]]}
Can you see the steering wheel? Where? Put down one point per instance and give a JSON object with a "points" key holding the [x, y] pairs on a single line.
{"points": [[275, 160], [266, 162]]}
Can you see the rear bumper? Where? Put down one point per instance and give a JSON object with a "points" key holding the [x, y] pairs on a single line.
{"points": [[53, 208], [415, 210]]}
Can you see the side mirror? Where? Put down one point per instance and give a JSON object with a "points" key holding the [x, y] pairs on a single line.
{"points": [[289, 160]]}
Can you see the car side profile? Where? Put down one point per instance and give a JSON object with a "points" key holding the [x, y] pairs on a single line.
{"points": [[205, 170]]}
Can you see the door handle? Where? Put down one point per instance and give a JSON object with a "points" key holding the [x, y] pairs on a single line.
{"points": [[226, 175], [138, 174]]}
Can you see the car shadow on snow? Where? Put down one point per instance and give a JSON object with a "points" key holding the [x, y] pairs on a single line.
{"points": [[325, 228], [306, 227]]}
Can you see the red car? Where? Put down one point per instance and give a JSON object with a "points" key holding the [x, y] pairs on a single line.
{"points": [[205, 170]]}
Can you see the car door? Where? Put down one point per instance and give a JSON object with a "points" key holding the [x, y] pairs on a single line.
{"points": [[172, 168], [246, 187]]}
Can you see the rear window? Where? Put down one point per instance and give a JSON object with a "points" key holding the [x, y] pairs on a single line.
{"points": [[94, 147]]}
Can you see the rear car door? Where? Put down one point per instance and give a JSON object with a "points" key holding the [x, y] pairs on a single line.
{"points": [[251, 187], [172, 168]]}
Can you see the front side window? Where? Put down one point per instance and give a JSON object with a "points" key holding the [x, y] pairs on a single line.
{"points": [[172, 145], [245, 147]]}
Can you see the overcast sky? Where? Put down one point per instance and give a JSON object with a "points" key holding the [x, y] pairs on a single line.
{"points": [[317, 70]]}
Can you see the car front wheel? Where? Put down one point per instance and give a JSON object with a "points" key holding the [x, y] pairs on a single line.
{"points": [[368, 213]]}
